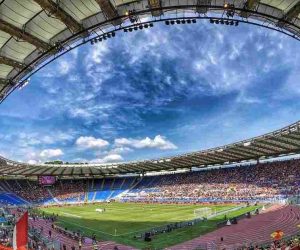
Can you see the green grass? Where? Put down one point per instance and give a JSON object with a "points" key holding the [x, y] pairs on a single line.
{"points": [[130, 219]]}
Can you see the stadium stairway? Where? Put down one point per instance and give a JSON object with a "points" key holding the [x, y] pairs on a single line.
{"points": [[256, 230], [69, 242], [12, 199], [52, 200]]}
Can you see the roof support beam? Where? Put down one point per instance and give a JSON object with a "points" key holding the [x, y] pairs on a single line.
{"points": [[288, 141], [283, 143], [194, 161], [109, 11], [272, 146], [290, 15], [3, 81], [263, 148], [240, 154], [215, 159], [202, 6], [155, 4], [244, 154], [11, 62], [249, 5], [294, 136], [233, 156], [60, 14], [254, 152], [22, 35]]}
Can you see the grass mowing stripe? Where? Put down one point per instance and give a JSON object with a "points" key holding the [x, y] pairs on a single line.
{"points": [[80, 226], [130, 219]]}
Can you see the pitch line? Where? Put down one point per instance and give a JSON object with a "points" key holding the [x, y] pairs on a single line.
{"points": [[72, 215]]}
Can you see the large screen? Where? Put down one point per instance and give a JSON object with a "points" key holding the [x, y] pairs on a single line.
{"points": [[47, 180]]}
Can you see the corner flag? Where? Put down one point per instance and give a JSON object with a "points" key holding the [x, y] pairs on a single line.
{"points": [[20, 238]]}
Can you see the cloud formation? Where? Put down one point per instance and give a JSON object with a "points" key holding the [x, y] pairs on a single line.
{"points": [[90, 142], [51, 153], [151, 93], [108, 159], [158, 141]]}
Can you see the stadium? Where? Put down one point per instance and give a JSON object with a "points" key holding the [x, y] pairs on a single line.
{"points": [[240, 195]]}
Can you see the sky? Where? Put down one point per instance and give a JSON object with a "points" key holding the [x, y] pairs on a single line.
{"points": [[155, 93]]}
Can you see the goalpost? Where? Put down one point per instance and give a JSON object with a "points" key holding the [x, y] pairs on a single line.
{"points": [[204, 212]]}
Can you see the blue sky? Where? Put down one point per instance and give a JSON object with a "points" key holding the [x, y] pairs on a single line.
{"points": [[156, 92]]}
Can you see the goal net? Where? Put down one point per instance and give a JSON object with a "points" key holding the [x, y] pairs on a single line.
{"points": [[204, 212]]}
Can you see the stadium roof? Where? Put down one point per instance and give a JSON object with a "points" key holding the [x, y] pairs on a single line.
{"points": [[281, 142], [35, 32]]}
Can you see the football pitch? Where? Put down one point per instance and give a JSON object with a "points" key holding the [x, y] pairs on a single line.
{"points": [[121, 222]]}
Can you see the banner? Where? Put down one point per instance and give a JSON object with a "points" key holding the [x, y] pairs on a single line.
{"points": [[20, 237]]}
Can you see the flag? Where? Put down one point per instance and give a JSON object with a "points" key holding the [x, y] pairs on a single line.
{"points": [[5, 247], [277, 235], [20, 237]]}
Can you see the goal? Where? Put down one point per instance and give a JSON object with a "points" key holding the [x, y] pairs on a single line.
{"points": [[204, 212]]}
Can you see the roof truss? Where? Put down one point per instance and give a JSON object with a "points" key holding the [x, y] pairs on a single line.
{"points": [[202, 6], [22, 35], [155, 6], [249, 5], [109, 11], [11, 62], [272, 145], [290, 15], [59, 13]]}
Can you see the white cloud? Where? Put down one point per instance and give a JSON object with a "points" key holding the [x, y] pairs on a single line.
{"points": [[79, 112], [32, 162], [90, 142], [121, 150], [98, 52], [108, 158], [159, 142], [50, 153], [64, 67]]}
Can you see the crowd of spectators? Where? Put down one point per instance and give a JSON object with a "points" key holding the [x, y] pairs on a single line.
{"points": [[69, 190], [273, 180], [29, 190], [263, 181], [34, 192]]}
